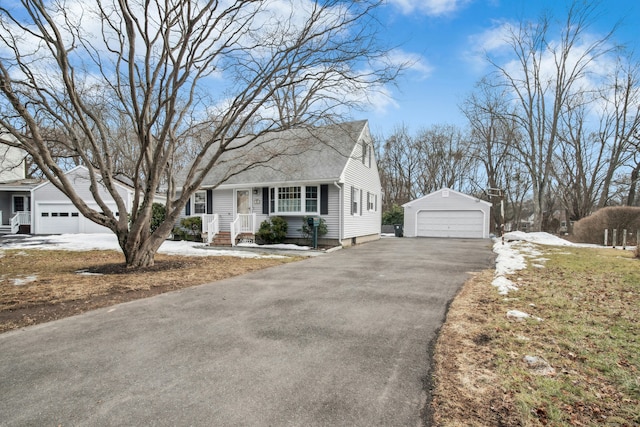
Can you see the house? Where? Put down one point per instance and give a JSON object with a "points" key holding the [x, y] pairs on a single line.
{"points": [[328, 172], [36, 206], [15, 190], [53, 212], [447, 213]]}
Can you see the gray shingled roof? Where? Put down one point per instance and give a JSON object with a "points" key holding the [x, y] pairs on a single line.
{"points": [[295, 155]]}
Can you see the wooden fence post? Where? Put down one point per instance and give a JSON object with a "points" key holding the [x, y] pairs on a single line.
{"points": [[606, 234], [614, 238]]}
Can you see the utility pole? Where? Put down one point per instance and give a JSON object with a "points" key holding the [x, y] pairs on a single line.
{"points": [[499, 193]]}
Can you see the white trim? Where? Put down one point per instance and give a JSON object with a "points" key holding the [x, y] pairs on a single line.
{"points": [[442, 190]]}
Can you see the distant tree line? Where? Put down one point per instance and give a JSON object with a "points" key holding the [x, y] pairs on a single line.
{"points": [[555, 126]]}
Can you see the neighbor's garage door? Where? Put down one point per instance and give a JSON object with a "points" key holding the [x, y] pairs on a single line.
{"points": [[450, 223], [61, 218]]}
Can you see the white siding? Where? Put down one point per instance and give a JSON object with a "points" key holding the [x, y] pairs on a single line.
{"points": [[47, 198], [455, 213], [224, 205], [47, 192], [11, 163], [365, 178]]}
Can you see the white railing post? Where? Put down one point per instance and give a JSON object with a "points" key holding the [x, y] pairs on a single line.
{"points": [[213, 228], [253, 228], [233, 231], [0, 217]]}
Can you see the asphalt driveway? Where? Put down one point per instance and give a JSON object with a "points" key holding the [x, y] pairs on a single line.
{"points": [[339, 339]]}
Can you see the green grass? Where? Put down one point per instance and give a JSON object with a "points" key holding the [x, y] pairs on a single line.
{"points": [[589, 300]]}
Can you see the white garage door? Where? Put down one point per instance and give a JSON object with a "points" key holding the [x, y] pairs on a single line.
{"points": [[450, 223], [61, 218]]}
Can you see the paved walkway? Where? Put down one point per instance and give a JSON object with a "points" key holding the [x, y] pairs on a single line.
{"points": [[336, 340]]}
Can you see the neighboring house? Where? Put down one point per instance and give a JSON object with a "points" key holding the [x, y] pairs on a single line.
{"points": [[38, 207], [447, 213], [15, 190], [328, 172], [53, 212]]}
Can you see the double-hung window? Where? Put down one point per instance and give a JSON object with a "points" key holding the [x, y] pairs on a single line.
{"points": [[200, 202], [371, 202], [356, 201], [294, 200]]}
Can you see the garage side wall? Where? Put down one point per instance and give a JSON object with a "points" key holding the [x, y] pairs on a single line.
{"points": [[469, 217]]}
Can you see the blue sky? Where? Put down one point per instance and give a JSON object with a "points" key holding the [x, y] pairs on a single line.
{"points": [[443, 34]]}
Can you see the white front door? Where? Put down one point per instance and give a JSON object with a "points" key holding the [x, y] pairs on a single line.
{"points": [[243, 202]]}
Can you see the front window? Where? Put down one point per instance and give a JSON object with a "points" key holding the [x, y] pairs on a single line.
{"points": [[289, 199], [294, 200], [200, 202], [311, 199]]}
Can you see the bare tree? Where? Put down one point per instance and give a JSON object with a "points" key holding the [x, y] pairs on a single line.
{"points": [[619, 122], [128, 84], [445, 160], [399, 165], [494, 134], [547, 73]]}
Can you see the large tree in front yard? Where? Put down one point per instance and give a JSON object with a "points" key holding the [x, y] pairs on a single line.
{"points": [[140, 87]]}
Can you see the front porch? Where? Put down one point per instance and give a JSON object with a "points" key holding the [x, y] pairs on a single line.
{"points": [[18, 223], [242, 229]]}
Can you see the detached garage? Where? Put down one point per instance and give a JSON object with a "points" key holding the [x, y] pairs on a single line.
{"points": [[447, 213], [53, 212]]}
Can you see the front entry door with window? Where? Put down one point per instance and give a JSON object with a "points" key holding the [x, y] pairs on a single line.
{"points": [[243, 202]]}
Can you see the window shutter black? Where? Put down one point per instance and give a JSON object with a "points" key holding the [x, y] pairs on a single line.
{"points": [[187, 208], [324, 199], [209, 201], [265, 200]]}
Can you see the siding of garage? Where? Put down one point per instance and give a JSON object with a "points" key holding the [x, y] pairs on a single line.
{"points": [[447, 213], [50, 200]]}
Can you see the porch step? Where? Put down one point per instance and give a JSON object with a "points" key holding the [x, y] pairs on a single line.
{"points": [[5, 229], [223, 238]]}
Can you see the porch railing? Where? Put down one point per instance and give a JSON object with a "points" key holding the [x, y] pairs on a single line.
{"points": [[244, 223], [0, 218], [20, 218], [213, 226], [206, 219]]}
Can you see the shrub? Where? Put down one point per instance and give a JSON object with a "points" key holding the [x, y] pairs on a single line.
{"points": [[393, 216], [158, 214], [591, 229], [307, 232], [192, 227], [272, 230]]}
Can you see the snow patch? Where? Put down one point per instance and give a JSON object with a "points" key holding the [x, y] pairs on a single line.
{"points": [[521, 315], [20, 281]]}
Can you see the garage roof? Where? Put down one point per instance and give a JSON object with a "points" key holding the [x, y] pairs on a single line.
{"points": [[445, 192]]}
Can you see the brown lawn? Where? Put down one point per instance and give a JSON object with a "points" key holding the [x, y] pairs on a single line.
{"points": [[38, 286]]}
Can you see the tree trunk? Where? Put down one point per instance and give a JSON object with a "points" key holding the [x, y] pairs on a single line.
{"points": [[141, 253], [631, 199]]}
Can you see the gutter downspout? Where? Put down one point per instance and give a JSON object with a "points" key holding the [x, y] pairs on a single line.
{"points": [[340, 210]]}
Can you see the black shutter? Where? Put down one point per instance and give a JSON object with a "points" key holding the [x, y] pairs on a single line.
{"points": [[187, 208], [324, 199], [265, 200], [209, 201]]}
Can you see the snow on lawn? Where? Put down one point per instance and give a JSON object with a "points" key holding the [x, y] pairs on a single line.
{"points": [[105, 241], [511, 256]]}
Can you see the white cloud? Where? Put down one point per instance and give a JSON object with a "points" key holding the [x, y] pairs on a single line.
{"points": [[411, 62], [429, 7]]}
